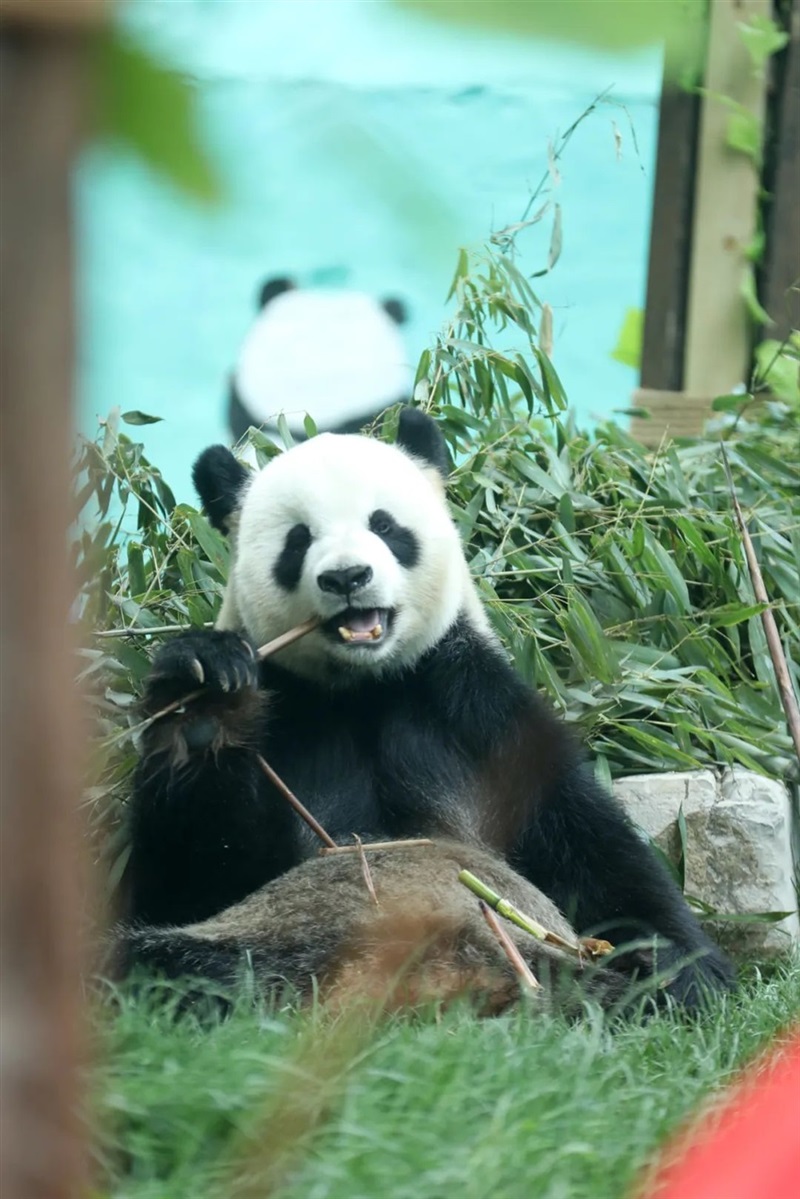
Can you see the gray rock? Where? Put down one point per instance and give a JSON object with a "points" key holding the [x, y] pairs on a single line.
{"points": [[739, 847]]}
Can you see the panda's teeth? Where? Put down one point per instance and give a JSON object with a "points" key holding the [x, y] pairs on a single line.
{"points": [[345, 633], [377, 632]]}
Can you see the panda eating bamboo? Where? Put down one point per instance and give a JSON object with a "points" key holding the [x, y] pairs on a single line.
{"points": [[398, 716]]}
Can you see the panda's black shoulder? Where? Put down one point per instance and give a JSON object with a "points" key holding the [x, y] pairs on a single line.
{"points": [[486, 700]]}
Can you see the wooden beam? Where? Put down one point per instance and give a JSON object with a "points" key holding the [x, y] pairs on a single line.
{"points": [[670, 240], [718, 335], [672, 414]]}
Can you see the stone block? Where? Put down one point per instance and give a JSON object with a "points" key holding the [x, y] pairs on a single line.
{"points": [[739, 846]]}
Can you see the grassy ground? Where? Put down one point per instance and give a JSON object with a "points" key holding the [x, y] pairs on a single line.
{"points": [[302, 1107]]}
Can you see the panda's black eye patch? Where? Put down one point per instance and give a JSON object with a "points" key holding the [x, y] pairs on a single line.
{"points": [[401, 541], [289, 564]]}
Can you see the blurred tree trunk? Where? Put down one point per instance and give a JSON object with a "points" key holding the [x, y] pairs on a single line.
{"points": [[41, 86]]}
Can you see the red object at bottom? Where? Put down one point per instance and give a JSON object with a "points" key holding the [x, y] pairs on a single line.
{"points": [[747, 1147]]}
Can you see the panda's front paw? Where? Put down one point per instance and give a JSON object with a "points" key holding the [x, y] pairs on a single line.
{"points": [[211, 663]]}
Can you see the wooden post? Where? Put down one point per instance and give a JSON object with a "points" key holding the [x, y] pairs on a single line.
{"points": [[781, 275], [41, 86], [702, 227], [718, 332], [670, 239]]}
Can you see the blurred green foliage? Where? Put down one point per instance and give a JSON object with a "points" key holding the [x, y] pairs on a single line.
{"points": [[606, 25], [140, 103]]}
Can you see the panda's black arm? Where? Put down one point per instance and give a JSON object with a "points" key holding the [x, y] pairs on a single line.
{"points": [[583, 851], [206, 827], [203, 836], [546, 813]]}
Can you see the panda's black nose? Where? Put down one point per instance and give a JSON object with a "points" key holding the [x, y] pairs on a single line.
{"points": [[344, 582]]}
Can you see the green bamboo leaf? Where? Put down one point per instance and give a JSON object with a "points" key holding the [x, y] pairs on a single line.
{"points": [[762, 38], [587, 642], [628, 349], [284, 432], [137, 580], [211, 542], [461, 272], [733, 614], [140, 418], [748, 292]]}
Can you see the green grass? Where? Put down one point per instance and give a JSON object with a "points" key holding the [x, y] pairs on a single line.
{"points": [[303, 1107]]}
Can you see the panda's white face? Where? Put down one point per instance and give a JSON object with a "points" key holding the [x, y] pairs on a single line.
{"points": [[355, 533]]}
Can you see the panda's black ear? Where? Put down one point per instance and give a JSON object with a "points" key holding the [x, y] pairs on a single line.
{"points": [[219, 479], [419, 434], [271, 288], [396, 310]]}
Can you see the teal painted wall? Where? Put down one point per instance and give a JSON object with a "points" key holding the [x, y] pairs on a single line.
{"points": [[358, 146]]}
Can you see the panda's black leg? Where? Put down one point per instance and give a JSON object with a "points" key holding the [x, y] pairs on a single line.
{"points": [[583, 852], [206, 827]]}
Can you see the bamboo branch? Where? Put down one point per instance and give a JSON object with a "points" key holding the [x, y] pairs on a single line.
{"points": [[284, 639], [300, 808], [514, 956], [154, 631], [779, 664], [171, 707], [365, 870]]}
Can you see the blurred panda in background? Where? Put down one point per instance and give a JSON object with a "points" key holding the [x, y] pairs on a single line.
{"points": [[333, 353]]}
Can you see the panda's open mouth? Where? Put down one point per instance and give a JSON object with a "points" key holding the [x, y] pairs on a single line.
{"points": [[360, 626]]}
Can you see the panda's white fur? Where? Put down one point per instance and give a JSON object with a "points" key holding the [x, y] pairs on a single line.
{"points": [[332, 484]]}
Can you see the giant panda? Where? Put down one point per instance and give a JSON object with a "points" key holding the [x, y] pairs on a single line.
{"points": [[400, 716], [332, 352]]}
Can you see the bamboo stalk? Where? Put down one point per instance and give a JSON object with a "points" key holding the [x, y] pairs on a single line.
{"points": [[503, 906], [154, 631], [284, 639], [586, 945], [171, 707], [779, 664], [514, 956], [300, 808]]}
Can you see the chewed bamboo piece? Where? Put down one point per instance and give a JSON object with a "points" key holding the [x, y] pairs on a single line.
{"points": [[365, 870], [591, 946], [369, 846], [509, 948]]}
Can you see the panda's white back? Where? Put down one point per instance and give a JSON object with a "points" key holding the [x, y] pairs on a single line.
{"points": [[336, 354]]}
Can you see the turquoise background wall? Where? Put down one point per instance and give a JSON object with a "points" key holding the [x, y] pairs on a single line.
{"points": [[357, 146]]}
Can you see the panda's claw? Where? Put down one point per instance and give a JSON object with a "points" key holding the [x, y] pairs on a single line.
{"points": [[217, 662]]}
